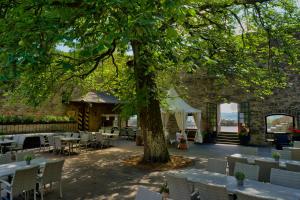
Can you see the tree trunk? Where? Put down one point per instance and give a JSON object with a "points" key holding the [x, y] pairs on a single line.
{"points": [[155, 147]]}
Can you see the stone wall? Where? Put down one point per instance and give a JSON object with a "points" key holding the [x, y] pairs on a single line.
{"points": [[201, 90]]}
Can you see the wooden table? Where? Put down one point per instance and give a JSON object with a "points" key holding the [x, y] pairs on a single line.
{"points": [[251, 159], [251, 187]]}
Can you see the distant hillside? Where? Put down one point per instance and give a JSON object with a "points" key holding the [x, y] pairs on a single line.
{"points": [[229, 116]]}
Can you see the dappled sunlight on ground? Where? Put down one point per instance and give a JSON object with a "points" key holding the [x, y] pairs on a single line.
{"points": [[101, 174]]}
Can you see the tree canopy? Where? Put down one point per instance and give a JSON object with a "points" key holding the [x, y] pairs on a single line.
{"points": [[131, 47]]}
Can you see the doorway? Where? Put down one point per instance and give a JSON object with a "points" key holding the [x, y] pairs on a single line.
{"points": [[228, 121]]}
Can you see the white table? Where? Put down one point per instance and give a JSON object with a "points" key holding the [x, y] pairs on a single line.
{"points": [[110, 134], [70, 141], [251, 159], [250, 186], [10, 168], [6, 141]]}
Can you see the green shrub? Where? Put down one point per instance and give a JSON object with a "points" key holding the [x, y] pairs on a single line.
{"points": [[239, 176]]}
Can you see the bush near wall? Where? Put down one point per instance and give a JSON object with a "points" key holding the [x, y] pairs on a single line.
{"points": [[14, 119]]}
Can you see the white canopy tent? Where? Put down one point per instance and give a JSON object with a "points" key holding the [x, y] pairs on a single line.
{"points": [[177, 106]]}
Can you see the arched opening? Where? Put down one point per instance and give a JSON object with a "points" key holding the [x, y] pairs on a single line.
{"points": [[228, 117], [279, 123]]}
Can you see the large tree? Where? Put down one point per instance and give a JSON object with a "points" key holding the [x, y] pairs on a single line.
{"points": [[224, 38]]}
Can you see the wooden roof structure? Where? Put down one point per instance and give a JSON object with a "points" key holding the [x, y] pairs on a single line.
{"points": [[97, 97]]}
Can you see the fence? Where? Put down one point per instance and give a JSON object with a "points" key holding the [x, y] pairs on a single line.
{"points": [[38, 127]]}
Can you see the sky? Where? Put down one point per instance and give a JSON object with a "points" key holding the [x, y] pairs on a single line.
{"points": [[229, 107]]}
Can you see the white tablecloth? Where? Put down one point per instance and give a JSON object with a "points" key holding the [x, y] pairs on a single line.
{"points": [[251, 159], [250, 186], [10, 168]]}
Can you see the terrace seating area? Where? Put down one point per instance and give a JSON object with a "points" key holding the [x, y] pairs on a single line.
{"points": [[265, 177]]}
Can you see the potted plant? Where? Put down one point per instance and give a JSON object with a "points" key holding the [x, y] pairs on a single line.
{"points": [[182, 143], [276, 156], [244, 135], [2, 137], [164, 190], [28, 158], [240, 177]]}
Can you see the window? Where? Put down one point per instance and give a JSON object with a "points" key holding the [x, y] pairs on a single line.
{"points": [[279, 123]]}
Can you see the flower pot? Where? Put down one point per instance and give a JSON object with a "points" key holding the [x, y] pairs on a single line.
{"points": [[244, 139], [240, 183], [27, 162], [165, 195], [276, 159], [183, 146]]}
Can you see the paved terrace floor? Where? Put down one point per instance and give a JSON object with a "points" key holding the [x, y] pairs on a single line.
{"points": [[100, 174]]}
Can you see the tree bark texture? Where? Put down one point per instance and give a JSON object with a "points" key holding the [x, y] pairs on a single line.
{"points": [[155, 147]]}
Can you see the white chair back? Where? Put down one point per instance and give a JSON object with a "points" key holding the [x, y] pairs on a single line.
{"points": [[5, 158], [75, 135], [297, 144], [284, 154], [101, 131], [145, 194], [250, 171], [217, 165], [293, 167], [42, 140], [24, 180], [249, 150], [68, 134], [84, 137], [99, 137], [178, 187], [243, 196], [53, 171], [295, 154], [285, 178], [51, 140], [210, 191], [20, 156]]}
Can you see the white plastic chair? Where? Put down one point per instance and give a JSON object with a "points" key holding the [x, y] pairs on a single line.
{"points": [[293, 167], [59, 146], [144, 194], [5, 158], [84, 140], [285, 178], [243, 196], [100, 140], [24, 180], [217, 165], [250, 171], [43, 142], [178, 187], [52, 173], [75, 135], [249, 150], [295, 154], [210, 191], [51, 142], [20, 156], [284, 154]]}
